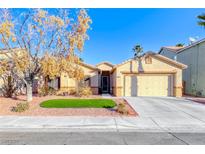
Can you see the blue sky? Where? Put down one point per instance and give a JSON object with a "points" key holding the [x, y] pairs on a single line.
{"points": [[115, 31]]}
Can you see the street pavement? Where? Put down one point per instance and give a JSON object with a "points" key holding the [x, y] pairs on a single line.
{"points": [[101, 138]]}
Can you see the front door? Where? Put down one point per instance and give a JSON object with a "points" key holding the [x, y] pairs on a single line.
{"points": [[105, 84]]}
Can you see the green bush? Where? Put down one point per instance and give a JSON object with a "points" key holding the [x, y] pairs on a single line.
{"points": [[20, 107]]}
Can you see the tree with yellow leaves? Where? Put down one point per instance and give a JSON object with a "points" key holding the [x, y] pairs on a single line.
{"points": [[42, 42]]}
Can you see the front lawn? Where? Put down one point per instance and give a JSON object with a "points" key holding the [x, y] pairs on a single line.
{"points": [[78, 103]]}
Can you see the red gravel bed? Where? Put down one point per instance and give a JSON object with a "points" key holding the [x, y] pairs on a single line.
{"points": [[35, 110]]}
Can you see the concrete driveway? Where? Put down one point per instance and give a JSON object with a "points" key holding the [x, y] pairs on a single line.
{"points": [[174, 114]]}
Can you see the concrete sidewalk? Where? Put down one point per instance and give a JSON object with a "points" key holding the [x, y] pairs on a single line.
{"points": [[108, 123], [116, 124]]}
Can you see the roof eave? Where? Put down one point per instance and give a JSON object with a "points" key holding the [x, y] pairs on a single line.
{"points": [[192, 45], [89, 66], [178, 64]]}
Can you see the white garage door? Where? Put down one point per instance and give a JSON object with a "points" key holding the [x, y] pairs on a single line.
{"points": [[148, 85]]}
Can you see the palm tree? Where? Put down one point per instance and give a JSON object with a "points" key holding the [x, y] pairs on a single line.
{"points": [[201, 21], [81, 59], [138, 50], [179, 45]]}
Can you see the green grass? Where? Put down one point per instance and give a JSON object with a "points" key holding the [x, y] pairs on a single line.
{"points": [[78, 103]]}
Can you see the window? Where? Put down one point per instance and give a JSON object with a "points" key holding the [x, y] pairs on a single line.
{"points": [[87, 81], [148, 60], [175, 57]]}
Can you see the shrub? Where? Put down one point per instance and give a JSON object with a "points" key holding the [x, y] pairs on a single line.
{"points": [[62, 93], [121, 108], [42, 91], [52, 91], [47, 91], [20, 107], [59, 93], [85, 92], [72, 92], [9, 88]]}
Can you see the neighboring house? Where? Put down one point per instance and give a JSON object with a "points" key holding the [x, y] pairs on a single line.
{"points": [[193, 56], [170, 51], [151, 75]]}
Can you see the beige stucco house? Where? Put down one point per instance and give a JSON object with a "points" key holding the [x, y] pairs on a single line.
{"points": [[193, 56], [151, 75]]}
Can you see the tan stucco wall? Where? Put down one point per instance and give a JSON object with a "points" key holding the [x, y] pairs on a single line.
{"points": [[104, 67], [194, 75], [69, 83], [156, 66]]}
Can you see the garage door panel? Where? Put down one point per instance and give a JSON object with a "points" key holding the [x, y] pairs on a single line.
{"points": [[153, 85], [127, 86], [130, 84], [148, 85]]}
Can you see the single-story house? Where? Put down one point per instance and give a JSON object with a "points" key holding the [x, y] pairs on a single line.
{"points": [[193, 56], [151, 75]]}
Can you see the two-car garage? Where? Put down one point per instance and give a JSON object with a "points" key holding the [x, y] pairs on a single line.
{"points": [[148, 85], [150, 75]]}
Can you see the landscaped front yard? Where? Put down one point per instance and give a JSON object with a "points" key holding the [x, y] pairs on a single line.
{"points": [[65, 106], [78, 103]]}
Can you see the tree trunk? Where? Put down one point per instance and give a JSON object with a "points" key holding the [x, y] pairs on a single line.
{"points": [[77, 88], [29, 92], [46, 84]]}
